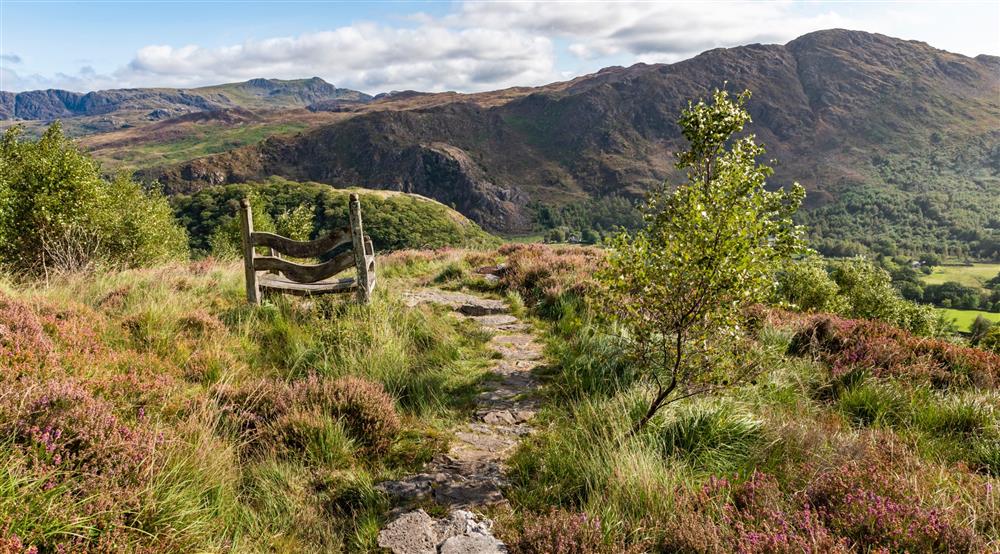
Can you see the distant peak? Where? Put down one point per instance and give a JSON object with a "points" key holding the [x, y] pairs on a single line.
{"points": [[262, 82]]}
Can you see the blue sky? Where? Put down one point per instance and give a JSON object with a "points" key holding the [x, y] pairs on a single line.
{"points": [[465, 46]]}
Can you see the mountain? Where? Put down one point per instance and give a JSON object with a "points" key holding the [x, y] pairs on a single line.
{"points": [[896, 142], [109, 109], [893, 139]]}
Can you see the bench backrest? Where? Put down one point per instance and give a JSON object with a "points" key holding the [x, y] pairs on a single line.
{"points": [[361, 255]]}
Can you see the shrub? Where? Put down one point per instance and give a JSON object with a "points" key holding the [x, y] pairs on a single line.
{"points": [[58, 212], [991, 340], [60, 424], [860, 504], [316, 436], [24, 346], [807, 286], [873, 507], [867, 292], [366, 410], [753, 516], [76, 465], [542, 274], [565, 532], [847, 345], [261, 410]]}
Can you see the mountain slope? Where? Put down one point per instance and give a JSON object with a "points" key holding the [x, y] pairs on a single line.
{"points": [[98, 111], [892, 138]]}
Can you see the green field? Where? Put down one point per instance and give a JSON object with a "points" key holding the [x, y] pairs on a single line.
{"points": [[974, 275], [202, 141], [964, 318]]}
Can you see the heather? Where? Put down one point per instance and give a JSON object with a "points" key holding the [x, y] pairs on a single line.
{"points": [[151, 410], [851, 345], [860, 437]]}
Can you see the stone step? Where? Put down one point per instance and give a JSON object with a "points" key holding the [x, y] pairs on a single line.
{"points": [[417, 532], [483, 307], [506, 417]]}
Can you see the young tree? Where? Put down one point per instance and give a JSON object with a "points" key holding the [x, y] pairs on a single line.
{"points": [[710, 249]]}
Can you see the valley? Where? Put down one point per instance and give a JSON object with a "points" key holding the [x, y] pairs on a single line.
{"points": [[896, 142]]}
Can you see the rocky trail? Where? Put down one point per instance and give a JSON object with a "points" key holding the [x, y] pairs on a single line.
{"points": [[471, 474]]}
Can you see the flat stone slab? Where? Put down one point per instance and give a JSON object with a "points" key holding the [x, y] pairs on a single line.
{"points": [[497, 320], [417, 532], [507, 417], [453, 299], [483, 306], [411, 533]]}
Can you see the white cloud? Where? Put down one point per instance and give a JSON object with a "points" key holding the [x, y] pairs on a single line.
{"points": [[365, 56], [483, 45], [648, 31]]}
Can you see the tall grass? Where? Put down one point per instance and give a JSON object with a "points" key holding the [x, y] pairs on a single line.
{"points": [[174, 353], [748, 468]]}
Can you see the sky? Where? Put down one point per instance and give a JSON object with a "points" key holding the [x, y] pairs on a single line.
{"points": [[429, 46]]}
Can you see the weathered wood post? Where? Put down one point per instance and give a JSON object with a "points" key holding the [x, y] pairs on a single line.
{"points": [[370, 263], [246, 228], [358, 243]]}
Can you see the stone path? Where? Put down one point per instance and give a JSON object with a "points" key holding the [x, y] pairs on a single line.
{"points": [[471, 474]]}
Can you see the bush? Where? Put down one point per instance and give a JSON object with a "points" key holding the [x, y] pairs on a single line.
{"points": [[847, 345], [991, 340], [294, 413], [24, 346], [315, 436], [58, 213], [58, 429], [751, 517], [807, 286], [564, 532], [873, 507], [543, 274], [368, 413]]}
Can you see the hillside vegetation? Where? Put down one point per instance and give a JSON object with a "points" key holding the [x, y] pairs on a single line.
{"points": [[153, 410], [896, 142], [394, 220], [709, 384]]}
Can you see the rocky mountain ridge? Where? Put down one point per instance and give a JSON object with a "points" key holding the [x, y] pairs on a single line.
{"points": [[162, 103], [834, 107]]}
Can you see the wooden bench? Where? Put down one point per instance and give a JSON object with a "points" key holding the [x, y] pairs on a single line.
{"points": [[283, 276]]}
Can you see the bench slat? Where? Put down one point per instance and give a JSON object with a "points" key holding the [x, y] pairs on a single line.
{"points": [[268, 282], [301, 273], [299, 249]]}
